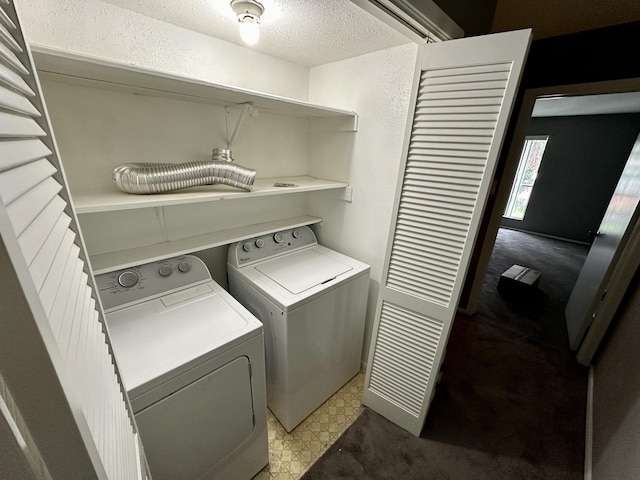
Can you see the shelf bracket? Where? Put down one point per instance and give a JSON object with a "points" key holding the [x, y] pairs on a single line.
{"points": [[247, 109]]}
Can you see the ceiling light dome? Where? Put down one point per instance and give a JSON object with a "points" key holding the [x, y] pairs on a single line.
{"points": [[248, 13]]}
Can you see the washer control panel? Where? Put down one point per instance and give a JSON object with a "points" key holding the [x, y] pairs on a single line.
{"points": [[142, 282], [254, 249]]}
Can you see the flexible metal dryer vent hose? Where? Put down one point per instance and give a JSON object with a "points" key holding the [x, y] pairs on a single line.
{"points": [[147, 178]]}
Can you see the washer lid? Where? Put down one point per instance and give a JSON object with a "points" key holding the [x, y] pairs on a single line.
{"points": [[303, 270]]}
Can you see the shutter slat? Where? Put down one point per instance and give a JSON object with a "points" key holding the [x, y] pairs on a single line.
{"points": [[477, 88], [424, 117], [456, 131], [26, 208], [54, 278], [33, 237], [10, 58], [10, 78], [14, 153], [7, 38], [72, 301], [41, 264], [460, 95], [457, 139], [470, 102], [16, 102], [56, 316], [465, 78], [458, 146], [18, 181], [453, 72], [14, 125], [68, 342], [440, 111], [4, 18]]}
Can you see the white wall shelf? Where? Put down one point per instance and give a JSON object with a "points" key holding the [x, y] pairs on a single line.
{"points": [[110, 262], [114, 200], [87, 70], [104, 233]]}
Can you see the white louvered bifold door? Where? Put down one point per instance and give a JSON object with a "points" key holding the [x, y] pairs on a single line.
{"points": [[41, 237], [463, 94]]}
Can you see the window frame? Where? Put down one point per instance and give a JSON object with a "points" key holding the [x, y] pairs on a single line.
{"points": [[518, 180]]}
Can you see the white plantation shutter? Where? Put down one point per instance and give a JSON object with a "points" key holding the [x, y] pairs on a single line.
{"points": [[463, 96], [41, 237]]}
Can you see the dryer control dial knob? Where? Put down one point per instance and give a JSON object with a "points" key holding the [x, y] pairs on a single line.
{"points": [[247, 247], [184, 267], [128, 279], [259, 243], [165, 271], [278, 237], [296, 234]]}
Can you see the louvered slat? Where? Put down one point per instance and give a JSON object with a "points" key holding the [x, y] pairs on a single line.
{"points": [[441, 173], [56, 316], [414, 337], [26, 208], [54, 277], [41, 264], [32, 238], [7, 38], [14, 153], [44, 229], [4, 18], [11, 79], [18, 181]]}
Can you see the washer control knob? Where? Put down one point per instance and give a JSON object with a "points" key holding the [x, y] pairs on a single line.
{"points": [[278, 237], [259, 243], [165, 271], [184, 267], [296, 234], [247, 247], [128, 279]]}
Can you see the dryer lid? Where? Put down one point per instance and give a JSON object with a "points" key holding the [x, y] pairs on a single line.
{"points": [[303, 270]]}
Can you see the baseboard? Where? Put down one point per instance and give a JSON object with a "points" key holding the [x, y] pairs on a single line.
{"points": [[588, 441], [570, 240]]}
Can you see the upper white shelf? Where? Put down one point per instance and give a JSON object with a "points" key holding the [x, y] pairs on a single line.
{"points": [[113, 199], [84, 69]]}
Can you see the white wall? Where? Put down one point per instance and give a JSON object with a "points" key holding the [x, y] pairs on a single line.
{"points": [[377, 86], [99, 29]]}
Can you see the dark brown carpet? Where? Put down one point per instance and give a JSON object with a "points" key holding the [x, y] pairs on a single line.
{"points": [[511, 403]]}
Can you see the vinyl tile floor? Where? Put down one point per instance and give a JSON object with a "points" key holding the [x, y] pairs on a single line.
{"points": [[291, 454]]}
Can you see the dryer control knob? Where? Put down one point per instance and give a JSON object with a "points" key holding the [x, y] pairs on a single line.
{"points": [[128, 279], [259, 243], [296, 234], [278, 238], [184, 267], [247, 247], [165, 271]]}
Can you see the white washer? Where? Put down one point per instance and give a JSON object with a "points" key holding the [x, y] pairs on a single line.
{"points": [[192, 361], [312, 302]]}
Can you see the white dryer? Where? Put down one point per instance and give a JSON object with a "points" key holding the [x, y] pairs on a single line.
{"points": [[192, 361], [312, 302]]}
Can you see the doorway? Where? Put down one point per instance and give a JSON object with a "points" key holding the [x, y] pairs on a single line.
{"points": [[559, 105]]}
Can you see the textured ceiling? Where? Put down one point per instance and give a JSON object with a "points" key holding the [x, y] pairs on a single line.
{"points": [[306, 32]]}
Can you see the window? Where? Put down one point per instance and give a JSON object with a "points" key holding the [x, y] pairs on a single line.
{"points": [[525, 176]]}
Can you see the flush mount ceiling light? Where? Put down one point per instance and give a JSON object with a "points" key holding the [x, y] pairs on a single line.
{"points": [[248, 13]]}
